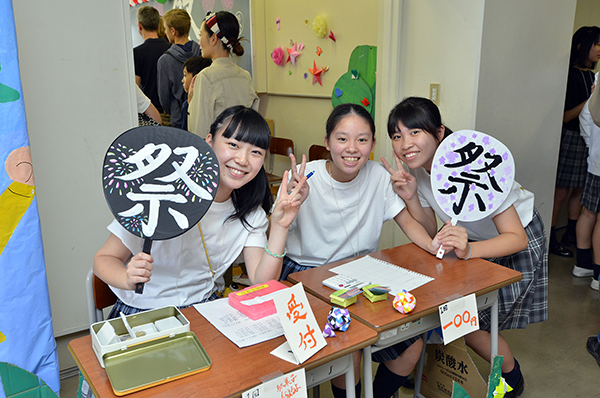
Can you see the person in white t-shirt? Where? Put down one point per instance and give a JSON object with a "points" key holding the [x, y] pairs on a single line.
{"points": [[189, 269], [512, 236], [342, 216]]}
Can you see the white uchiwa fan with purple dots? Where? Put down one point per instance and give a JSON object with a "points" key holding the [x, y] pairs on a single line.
{"points": [[472, 174]]}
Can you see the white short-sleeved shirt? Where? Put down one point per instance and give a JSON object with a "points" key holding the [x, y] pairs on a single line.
{"points": [[143, 102], [318, 235], [181, 275], [484, 229]]}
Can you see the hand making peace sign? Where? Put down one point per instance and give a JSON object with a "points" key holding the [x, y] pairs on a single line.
{"points": [[297, 176], [288, 202], [404, 183]]}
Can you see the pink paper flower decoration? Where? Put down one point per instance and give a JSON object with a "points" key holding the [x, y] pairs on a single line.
{"points": [[278, 56]]}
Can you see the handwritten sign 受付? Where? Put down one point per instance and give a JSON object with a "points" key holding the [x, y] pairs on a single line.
{"points": [[471, 175], [458, 318], [299, 324]]}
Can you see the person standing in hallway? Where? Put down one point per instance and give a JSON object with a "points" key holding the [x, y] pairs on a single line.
{"points": [[588, 227], [170, 64], [223, 84], [572, 167], [146, 55]]}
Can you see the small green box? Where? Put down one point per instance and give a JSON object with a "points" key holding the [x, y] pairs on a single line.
{"points": [[373, 297], [343, 302]]}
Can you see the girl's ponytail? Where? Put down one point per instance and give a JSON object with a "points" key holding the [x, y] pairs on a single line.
{"points": [[236, 47]]}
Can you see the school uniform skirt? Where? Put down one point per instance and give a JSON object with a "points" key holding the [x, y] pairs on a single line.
{"points": [[526, 301], [572, 160], [590, 199], [128, 310]]}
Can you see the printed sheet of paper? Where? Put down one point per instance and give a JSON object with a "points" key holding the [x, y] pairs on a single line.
{"points": [[291, 385], [458, 318], [299, 324], [237, 327], [373, 270]]}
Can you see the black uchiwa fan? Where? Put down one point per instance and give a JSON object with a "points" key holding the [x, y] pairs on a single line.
{"points": [[159, 182]]}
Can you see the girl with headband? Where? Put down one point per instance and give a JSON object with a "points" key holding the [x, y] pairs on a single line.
{"points": [[223, 84]]}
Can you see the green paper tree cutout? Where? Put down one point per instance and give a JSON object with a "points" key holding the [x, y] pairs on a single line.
{"points": [[357, 85]]}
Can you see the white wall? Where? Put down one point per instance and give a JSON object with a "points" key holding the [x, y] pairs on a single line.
{"points": [[77, 75], [522, 82], [587, 14], [439, 42]]}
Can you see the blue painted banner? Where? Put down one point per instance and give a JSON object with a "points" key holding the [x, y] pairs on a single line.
{"points": [[26, 336]]}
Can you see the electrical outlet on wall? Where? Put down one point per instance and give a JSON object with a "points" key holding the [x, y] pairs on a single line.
{"points": [[434, 93]]}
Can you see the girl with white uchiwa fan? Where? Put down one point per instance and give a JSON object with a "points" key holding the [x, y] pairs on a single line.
{"points": [[512, 235], [341, 216]]}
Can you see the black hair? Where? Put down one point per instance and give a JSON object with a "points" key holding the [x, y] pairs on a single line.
{"points": [[343, 110], [230, 29], [195, 64], [417, 113], [583, 40], [246, 125]]}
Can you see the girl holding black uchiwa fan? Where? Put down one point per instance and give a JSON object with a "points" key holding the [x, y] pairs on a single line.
{"points": [[189, 269], [223, 84], [572, 166], [513, 236]]}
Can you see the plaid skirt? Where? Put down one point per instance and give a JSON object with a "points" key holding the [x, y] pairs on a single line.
{"points": [[526, 301], [590, 199], [128, 310], [572, 160], [289, 266]]}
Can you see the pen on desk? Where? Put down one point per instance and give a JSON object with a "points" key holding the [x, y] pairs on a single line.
{"points": [[307, 177]]}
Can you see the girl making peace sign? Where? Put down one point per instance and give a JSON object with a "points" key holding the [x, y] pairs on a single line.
{"points": [[342, 216]]}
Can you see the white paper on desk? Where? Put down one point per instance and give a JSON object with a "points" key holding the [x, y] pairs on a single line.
{"points": [[291, 385], [373, 270], [301, 328], [237, 327]]}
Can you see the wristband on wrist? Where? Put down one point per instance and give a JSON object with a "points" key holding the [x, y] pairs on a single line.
{"points": [[470, 251], [270, 253]]}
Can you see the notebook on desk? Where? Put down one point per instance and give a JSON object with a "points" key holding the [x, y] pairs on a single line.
{"points": [[373, 270]]}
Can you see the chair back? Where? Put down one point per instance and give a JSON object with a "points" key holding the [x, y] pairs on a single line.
{"points": [[316, 152], [98, 295], [280, 146]]}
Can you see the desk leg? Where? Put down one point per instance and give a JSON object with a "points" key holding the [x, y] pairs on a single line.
{"points": [[350, 379], [420, 365], [368, 372], [494, 328]]}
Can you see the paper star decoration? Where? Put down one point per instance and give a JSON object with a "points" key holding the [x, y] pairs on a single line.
{"points": [[293, 54], [316, 72]]}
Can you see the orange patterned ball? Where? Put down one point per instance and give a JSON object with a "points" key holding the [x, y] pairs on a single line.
{"points": [[404, 302]]}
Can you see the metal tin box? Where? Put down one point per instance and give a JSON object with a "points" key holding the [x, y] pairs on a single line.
{"points": [[155, 362], [143, 321]]}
